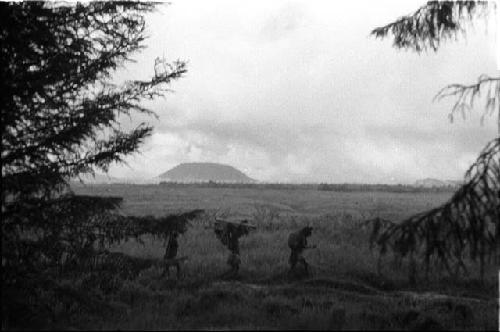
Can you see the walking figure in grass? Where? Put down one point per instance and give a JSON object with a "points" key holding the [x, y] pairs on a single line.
{"points": [[170, 257], [229, 233], [297, 242]]}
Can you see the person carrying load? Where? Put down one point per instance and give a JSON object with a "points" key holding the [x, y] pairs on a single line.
{"points": [[229, 233]]}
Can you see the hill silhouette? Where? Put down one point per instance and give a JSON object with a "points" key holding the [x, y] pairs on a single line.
{"points": [[430, 182], [205, 172]]}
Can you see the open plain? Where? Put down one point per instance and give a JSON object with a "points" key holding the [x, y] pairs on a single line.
{"points": [[344, 291]]}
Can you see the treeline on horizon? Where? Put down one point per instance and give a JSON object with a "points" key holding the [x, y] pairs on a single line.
{"points": [[341, 187]]}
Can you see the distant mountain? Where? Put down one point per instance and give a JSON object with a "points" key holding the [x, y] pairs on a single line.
{"points": [[429, 183], [204, 172]]}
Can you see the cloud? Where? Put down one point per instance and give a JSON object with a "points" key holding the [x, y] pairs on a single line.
{"points": [[413, 152], [266, 151], [298, 91], [284, 21]]}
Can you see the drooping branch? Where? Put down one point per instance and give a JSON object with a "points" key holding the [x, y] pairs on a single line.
{"points": [[432, 23], [466, 95], [468, 224], [76, 227]]}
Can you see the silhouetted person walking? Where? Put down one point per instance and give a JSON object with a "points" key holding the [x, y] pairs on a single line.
{"points": [[170, 257], [297, 242], [229, 234]]}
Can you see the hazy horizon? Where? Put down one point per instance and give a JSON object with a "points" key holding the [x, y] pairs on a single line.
{"points": [[101, 177], [295, 91]]}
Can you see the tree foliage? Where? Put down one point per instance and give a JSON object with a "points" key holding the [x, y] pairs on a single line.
{"points": [[465, 226], [468, 224], [60, 117], [467, 94], [440, 21], [67, 238], [60, 111], [433, 23]]}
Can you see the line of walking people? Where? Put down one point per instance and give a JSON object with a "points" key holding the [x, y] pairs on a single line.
{"points": [[229, 233]]}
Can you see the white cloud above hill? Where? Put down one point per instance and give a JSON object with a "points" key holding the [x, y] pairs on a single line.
{"points": [[299, 91]]}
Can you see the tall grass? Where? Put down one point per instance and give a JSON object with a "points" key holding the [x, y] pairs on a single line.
{"points": [[344, 292]]}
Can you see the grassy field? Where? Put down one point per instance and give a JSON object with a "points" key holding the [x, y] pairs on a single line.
{"points": [[344, 291], [158, 200]]}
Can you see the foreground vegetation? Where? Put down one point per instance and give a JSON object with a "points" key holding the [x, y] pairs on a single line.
{"points": [[344, 291]]}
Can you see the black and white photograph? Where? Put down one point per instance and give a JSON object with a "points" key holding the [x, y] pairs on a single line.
{"points": [[250, 165]]}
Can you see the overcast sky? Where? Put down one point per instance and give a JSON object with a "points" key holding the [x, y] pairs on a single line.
{"points": [[298, 91]]}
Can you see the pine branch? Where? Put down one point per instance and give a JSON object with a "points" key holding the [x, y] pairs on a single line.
{"points": [[468, 224], [432, 23], [466, 95], [58, 108], [59, 119]]}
